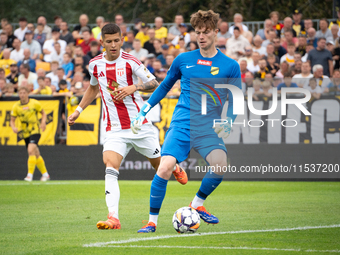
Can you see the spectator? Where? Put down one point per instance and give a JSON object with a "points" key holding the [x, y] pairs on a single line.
{"points": [[48, 83], [138, 51], [137, 26], [260, 74], [221, 42], [47, 30], [67, 65], [17, 54], [148, 45], [289, 39], [335, 53], [322, 56], [224, 30], [79, 61], [57, 21], [298, 26], [40, 36], [4, 22], [257, 89], [302, 44], [337, 20], [94, 46], [5, 62], [271, 50], [77, 33], [10, 35], [284, 68], [160, 74], [308, 49], [186, 36], [312, 37], [28, 60], [258, 46], [161, 32], [78, 52], [40, 73], [127, 45], [2, 86], [287, 82], [20, 32], [238, 18], [322, 80], [158, 47], [142, 35], [248, 81], [272, 66], [78, 89], [26, 74], [78, 77], [10, 91], [100, 23], [57, 54], [314, 89], [289, 56], [61, 76], [2, 74], [53, 74], [156, 65], [243, 67], [119, 19], [174, 30], [279, 50], [272, 35], [324, 32], [297, 66], [335, 36], [287, 25], [65, 33], [48, 47], [43, 89], [335, 84], [308, 23], [87, 39], [264, 32], [13, 76], [165, 50], [169, 59], [267, 87], [3, 41], [254, 66], [302, 79], [247, 34], [236, 44], [32, 45], [277, 26]]}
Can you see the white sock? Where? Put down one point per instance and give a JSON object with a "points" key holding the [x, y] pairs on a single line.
{"points": [[112, 192], [197, 202], [30, 175], [153, 218], [45, 174]]}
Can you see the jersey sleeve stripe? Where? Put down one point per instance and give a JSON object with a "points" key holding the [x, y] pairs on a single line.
{"points": [[130, 57], [122, 111], [96, 58]]}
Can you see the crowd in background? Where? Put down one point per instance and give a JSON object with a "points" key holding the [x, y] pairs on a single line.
{"points": [[54, 60]]}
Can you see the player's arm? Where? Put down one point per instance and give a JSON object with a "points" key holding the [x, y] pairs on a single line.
{"points": [[14, 128], [147, 87], [89, 96], [43, 120]]}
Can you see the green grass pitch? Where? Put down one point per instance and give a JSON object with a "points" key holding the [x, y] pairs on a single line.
{"points": [[59, 217]]}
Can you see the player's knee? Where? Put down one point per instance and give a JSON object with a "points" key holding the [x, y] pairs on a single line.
{"points": [[110, 163]]}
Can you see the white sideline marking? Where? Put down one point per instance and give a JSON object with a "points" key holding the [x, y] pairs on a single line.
{"points": [[134, 240], [24, 183], [221, 248]]}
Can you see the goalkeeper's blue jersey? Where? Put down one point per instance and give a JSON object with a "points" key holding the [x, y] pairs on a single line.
{"points": [[198, 76]]}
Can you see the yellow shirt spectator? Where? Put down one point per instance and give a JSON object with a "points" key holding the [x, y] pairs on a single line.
{"points": [[142, 37], [45, 91], [5, 64], [161, 33]]}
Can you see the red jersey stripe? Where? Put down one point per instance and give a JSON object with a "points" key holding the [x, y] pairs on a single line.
{"points": [[122, 111], [96, 58], [132, 58], [108, 127]]}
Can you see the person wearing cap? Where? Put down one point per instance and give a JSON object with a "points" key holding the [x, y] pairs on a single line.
{"points": [[298, 24], [142, 35], [321, 56], [5, 62], [161, 32], [324, 31], [162, 57], [87, 39], [20, 32], [31, 44], [186, 36], [48, 47]]}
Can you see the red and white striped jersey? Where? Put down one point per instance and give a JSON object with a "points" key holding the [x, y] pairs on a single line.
{"points": [[110, 75]]}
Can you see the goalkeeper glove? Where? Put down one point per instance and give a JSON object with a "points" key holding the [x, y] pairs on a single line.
{"points": [[137, 121], [223, 129]]}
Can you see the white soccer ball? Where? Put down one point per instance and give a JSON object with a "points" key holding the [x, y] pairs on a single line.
{"points": [[186, 220]]}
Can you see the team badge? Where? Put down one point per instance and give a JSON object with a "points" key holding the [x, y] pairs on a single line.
{"points": [[120, 71], [214, 70], [112, 87]]}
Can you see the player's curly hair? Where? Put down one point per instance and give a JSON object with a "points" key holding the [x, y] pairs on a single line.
{"points": [[207, 19], [110, 29]]}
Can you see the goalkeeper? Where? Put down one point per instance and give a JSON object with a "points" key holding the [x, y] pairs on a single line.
{"points": [[192, 122]]}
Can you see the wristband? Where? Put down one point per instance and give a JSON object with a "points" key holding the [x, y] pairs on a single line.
{"points": [[79, 109]]}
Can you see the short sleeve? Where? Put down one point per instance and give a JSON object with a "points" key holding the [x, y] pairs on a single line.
{"points": [[38, 106], [142, 72], [93, 80], [14, 112]]}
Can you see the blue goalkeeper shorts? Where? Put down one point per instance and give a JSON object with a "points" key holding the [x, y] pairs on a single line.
{"points": [[179, 141]]}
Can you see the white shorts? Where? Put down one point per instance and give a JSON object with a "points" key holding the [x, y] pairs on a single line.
{"points": [[145, 142]]}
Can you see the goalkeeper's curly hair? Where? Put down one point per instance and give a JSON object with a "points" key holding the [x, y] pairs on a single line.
{"points": [[207, 19]]}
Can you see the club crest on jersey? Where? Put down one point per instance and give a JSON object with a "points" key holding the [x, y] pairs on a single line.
{"points": [[120, 71], [214, 70], [112, 87], [204, 62]]}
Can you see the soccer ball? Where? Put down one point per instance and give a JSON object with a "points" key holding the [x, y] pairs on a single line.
{"points": [[186, 220]]}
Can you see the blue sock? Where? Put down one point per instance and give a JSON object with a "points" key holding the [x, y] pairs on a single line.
{"points": [[209, 184], [157, 194]]}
